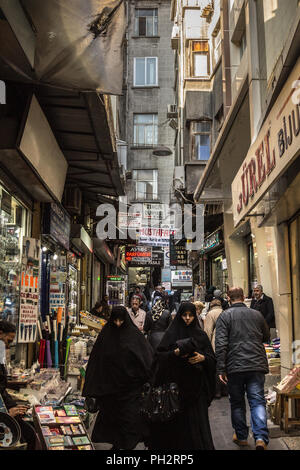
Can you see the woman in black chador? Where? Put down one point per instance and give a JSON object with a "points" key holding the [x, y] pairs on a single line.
{"points": [[157, 321], [119, 365], [185, 356]]}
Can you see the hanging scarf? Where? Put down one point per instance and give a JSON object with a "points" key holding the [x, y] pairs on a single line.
{"points": [[157, 309]]}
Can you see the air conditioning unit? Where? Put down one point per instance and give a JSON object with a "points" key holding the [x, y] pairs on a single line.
{"points": [[172, 111], [73, 200], [179, 178]]}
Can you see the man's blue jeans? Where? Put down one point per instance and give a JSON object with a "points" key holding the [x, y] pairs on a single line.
{"points": [[251, 383]]}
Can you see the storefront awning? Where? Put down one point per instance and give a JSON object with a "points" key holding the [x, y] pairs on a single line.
{"points": [[74, 44], [102, 250], [81, 123]]}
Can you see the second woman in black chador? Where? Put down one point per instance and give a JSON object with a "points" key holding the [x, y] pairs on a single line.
{"points": [[119, 365], [185, 356]]}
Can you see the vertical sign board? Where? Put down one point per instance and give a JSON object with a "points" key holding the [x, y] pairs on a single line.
{"points": [[29, 293]]}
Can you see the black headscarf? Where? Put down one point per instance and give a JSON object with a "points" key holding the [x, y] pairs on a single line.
{"points": [[120, 360], [194, 380]]}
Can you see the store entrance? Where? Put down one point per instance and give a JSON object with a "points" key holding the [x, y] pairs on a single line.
{"points": [[294, 242]]}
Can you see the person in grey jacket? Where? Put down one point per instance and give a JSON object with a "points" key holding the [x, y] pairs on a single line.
{"points": [[242, 363]]}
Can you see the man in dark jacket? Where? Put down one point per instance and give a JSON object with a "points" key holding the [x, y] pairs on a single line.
{"points": [[264, 305], [7, 336], [242, 363]]}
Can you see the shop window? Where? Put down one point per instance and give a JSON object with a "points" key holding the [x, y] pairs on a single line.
{"points": [[145, 184], [12, 229], [201, 140], [145, 129], [146, 22], [145, 71], [200, 63]]}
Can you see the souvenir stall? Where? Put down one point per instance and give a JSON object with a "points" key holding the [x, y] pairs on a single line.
{"points": [[13, 221]]}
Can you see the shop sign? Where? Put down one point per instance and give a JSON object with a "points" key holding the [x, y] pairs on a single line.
{"points": [[182, 277], [166, 257], [211, 242], [165, 275], [29, 292], [167, 286], [115, 278], [178, 254], [138, 254], [274, 150], [57, 224], [155, 236], [6, 202], [129, 221], [153, 211]]}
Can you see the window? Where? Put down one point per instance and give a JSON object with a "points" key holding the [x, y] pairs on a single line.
{"points": [[145, 184], [201, 134], [145, 129], [200, 59], [146, 22], [145, 71]]}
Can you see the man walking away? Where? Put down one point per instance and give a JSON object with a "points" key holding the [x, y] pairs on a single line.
{"points": [[242, 363], [265, 306]]}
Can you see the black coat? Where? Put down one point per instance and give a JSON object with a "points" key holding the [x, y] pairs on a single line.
{"points": [[8, 400], [240, 334], [266, 307], [190, 428], [155, 329]]}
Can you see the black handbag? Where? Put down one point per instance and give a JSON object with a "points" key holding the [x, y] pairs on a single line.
{"points": [[160, 404], [91, 405]]}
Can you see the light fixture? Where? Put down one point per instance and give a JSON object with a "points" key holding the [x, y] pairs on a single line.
{"points": [[162, 151], [44, 249], [55, 256]]}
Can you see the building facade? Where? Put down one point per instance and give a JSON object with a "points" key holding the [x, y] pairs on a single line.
{"points": [[253, 168], [149, 83]]}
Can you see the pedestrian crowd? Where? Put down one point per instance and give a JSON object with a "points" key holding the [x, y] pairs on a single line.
{"points": [[189, 353]]}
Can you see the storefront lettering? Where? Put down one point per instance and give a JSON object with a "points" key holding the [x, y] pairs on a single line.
{"points": [[256, 171]]}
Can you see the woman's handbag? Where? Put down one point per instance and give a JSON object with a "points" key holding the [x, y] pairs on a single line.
{"points": [[160, 404], [91, 405]]}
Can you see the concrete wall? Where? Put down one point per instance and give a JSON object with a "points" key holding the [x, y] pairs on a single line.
{"points": [[152, 100]]}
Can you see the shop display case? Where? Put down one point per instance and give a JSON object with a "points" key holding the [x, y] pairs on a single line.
{"points": [[10, 265]]}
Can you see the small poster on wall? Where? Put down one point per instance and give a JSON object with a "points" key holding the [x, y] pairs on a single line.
{"points": [[29, 292]]}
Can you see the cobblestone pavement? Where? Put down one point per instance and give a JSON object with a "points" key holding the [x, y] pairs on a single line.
{"points": [[220, 421]]}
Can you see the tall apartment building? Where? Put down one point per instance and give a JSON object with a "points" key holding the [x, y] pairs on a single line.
{"points": [[149, 90], [253, 165]]}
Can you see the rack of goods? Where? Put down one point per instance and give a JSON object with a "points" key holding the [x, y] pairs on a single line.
{"points": [[273, 355], [61, 428], [92, 321]]}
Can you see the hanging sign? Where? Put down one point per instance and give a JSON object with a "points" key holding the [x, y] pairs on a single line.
{"points": [[154, 236], [178, 254], [57, 224], [29, 292]]}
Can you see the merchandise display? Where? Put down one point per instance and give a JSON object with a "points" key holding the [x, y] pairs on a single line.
{"points": [[72, 294], [291, 381], [273, 355], [92, 321], [61, 428], [11, 234]]}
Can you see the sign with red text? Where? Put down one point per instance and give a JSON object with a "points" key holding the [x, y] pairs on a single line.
{"points": [[29, 292], [276, 147]]}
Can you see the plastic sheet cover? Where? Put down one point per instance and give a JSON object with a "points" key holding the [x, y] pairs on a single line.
{"points": [[79, 43]]}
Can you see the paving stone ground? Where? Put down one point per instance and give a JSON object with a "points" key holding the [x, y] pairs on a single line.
{"points": [[220, 421]]}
